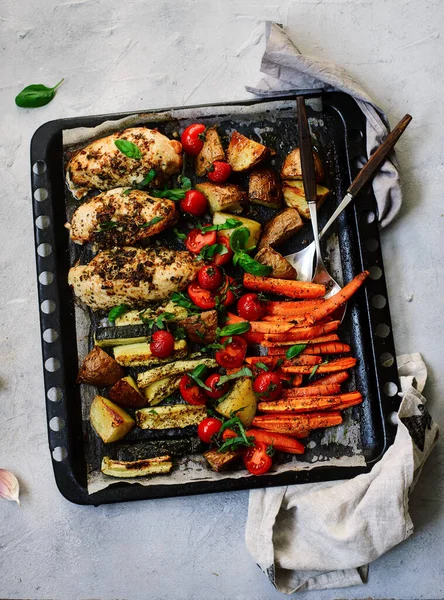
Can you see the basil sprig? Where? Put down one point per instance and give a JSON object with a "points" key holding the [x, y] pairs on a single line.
{"points": [[235, 329], [147, 180], [229, 224], [197, 374], [240, 440], [36, 95], [152, 222], [107, 225], [208, 252], [244, 372], [295, 350], [128, 149], [174, 194], [180, 299], [117, 311], [316, 367], [238, 243]]}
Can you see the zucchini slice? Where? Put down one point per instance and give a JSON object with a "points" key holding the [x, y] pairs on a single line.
{"points": [[136, 468], [140, 355], [167, 417]]}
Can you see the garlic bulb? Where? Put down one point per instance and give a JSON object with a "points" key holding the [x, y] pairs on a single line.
{"points": [[9, 486]]}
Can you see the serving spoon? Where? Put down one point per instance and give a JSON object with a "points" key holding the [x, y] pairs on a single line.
{"points": [[302, 261]]}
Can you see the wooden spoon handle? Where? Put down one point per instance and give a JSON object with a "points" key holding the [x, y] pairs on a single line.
{"points": [[307, 160], [370, 168]]}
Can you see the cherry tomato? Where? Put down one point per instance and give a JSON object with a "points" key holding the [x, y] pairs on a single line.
{"points": [[233, 354], [249, 307], [162, 344], [226, 293], [202, 298], [210, 277], [191, 392], [216, 392], [268, 385], [196, 240], [222, 259], [191, 138], [220, 173], [208, 428], [257, 460], [194, 203]]}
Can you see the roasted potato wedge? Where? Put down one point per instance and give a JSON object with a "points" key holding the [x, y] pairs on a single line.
{"points": [[291, 169], [136, 468], [99, 368], [159, 390], [211, 150], [110, 421], [243, 153], [254, 227], [140, 355], [219, 461], [222, 196], [240, 401], [264, 188], [280, 265], [294, 196], [166, 417], [282, 227], [201, 328], [126, 393]]}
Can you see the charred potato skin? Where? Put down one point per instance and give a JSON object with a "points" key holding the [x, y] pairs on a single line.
{"points": [[223, 196], [99, 368], [264, 188], [243, 153], [291, 169], [212, 150], [125, 393], [282, 269], [282, 227], [201, 328]]}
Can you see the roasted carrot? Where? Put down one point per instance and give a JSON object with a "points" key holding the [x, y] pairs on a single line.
{"points": [[287, 307], [295, 379], [271, 361], [338, 377], [253, 338], [295, 430], [303, 333], [286, 287], [290, 318], [314, 390], [263, 327], [311, 403], [231, 319], [349, 403], [305, 420], [327, 348], [279, 441], [335, 365], [334, 302], [283, 346]]}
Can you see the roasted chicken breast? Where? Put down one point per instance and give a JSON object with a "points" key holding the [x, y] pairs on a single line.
{"points": [[121, 218], [102, 166], [132, 276]]}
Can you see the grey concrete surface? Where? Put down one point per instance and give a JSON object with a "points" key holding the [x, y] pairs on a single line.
{"points": [[137, 55]]}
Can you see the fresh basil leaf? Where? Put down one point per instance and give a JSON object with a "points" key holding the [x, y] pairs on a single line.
{"points": [[147, 180], [180, 333], [315, 368], [36, 95], [279, 363], [174, 194], [117, 311], [295, 350], [107, 225], [235, 329], [197, 374], [234, 443], [128, 149], [211, 250], [249, 265], [261, 365], [152, 222], [148, 321], [126, 192], [185, 183], [166, 316], [239, 238], [229, 224], [180, 299], [244, 372], [179, 234]]}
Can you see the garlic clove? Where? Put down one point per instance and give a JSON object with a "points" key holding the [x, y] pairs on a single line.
{"points": [[9, 486]]}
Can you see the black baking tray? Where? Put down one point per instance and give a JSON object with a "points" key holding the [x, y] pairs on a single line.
{"points": [[340, 128]]}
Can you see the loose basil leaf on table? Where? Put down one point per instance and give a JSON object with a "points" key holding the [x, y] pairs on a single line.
{"points": [[36, 95], [128, 149]]}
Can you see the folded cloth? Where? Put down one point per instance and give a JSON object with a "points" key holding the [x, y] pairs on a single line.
{"points": [[288, 70], [323, 535]]}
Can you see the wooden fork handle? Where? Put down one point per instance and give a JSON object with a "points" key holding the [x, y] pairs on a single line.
{"points": [[370, 168]]}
